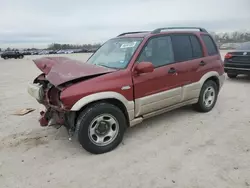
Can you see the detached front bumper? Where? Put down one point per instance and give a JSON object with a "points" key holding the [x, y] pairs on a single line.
{"points": [[50, 118], [53, 115]]}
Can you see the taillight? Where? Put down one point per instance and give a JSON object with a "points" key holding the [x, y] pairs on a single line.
{"points": [[228, 56]]}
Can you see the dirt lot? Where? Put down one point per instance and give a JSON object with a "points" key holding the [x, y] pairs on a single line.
{"points": [[178, 149]]}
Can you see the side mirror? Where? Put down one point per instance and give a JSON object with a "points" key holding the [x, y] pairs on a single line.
{"points": [[144, 67]]}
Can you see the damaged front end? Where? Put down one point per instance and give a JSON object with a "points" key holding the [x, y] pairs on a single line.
{"points": [[59, 73], [55, 114]]}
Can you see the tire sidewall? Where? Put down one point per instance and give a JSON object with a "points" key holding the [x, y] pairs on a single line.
{"points": [[207, 84], [86, 117]]}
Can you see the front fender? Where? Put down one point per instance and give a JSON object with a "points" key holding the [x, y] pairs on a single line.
{"points": [[104, 95]]}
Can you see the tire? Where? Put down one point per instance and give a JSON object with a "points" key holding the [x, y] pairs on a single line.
{"points": [[208, 86], [5, 57], [87, 136], [21, 57], [231, 75]]}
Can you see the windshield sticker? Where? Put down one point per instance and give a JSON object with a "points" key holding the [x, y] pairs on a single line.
{"points": [[128, 45]]}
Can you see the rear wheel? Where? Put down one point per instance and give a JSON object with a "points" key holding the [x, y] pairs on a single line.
{"points": [[100, 128], [21, 57], [231, 75], [208, 97]]}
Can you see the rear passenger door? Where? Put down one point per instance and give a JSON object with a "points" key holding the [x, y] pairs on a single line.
{"points": [[189, 54], [210, 59], [213, 58]]}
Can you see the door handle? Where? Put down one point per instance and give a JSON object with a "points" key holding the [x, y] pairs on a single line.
{"points": [[202, 63], [172, 70]]}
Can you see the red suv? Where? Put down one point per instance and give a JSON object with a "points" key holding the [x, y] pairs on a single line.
{"points": [[131, 77]]}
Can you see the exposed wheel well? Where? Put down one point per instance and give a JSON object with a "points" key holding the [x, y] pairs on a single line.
{"points": [[113, 101], [216, 80]]}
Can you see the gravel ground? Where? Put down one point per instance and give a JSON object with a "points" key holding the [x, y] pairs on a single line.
{"points": [[181, 148]]}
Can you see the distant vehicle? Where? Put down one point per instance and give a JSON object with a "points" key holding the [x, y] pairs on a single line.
{"points": [[44, 52], [228, 46], [12, 54], [26, 53], [92, 50], [60, 52], [34, 52], [68, 51], [81, 51], [132, 77], [52, 52], [238, 61]]}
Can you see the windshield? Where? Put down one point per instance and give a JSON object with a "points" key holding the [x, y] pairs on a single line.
{"points": [[244, 46], [115, 53]]}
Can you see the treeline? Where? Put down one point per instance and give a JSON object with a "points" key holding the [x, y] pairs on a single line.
{"points": [[56, 46], [220, 38], [16, 49], [233, 37]]}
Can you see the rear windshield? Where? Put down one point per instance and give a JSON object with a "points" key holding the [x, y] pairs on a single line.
{"points": [[244, 46]]}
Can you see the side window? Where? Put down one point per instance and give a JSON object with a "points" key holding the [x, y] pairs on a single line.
{"points": [[211, 47], [196, 47], [158, 51], [182, 48]]}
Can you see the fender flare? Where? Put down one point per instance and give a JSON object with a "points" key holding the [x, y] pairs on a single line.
{"points": [[102, 95], [209, 75]]}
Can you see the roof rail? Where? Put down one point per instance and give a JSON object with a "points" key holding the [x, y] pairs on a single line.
{"points": [[135, 32], [167, 28]]}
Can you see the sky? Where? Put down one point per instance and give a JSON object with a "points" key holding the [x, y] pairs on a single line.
{"points": [[33, 23]]}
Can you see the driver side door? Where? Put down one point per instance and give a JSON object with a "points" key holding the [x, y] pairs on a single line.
{"points": [[162, 87]]}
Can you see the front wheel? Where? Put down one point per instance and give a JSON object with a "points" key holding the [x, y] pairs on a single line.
{"points": [[100, 128], [21, 57], [208, 97]]}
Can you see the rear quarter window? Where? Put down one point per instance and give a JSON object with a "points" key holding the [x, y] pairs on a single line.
{"points": [[210, 45], [196, 47]]}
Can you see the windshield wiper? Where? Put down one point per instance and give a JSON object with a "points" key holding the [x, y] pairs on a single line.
{"points": [[103, 65]]}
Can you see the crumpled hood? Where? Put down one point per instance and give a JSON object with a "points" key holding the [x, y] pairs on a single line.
{"points": [[59, 70]]}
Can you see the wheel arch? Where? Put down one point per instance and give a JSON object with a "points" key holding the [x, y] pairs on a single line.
{"points": [[216, 80], [113, 101], [213, 75], [127, 107]]}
